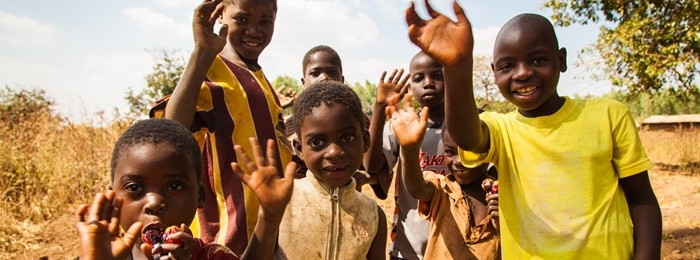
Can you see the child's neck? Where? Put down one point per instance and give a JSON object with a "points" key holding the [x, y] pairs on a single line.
{"points": [[233, 56], [549, 107], [437, 114]]}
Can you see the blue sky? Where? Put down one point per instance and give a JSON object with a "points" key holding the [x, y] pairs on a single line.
{"points": [[87, 54]]}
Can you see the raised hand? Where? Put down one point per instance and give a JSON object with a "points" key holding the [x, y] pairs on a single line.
{"points": [[205, 17], [286, 95], [98, 229], [492, 204], [395, 85], [446, 41], [273, 192], [408, 127]]}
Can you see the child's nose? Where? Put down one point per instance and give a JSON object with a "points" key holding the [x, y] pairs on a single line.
{"points": [[428, 83], [522, 72], [334, 152], [155, 204]]}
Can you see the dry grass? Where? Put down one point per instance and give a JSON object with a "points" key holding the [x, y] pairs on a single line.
{"points": [[49, 165]]}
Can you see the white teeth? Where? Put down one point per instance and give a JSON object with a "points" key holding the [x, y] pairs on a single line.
{"points": [[252, 44], [526, 90]]}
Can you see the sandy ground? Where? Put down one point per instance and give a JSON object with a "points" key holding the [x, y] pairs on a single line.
{"points": [[678, 193]]}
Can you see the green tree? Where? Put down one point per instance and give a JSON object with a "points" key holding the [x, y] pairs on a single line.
{"points": [[367, 93], [647, 47], [17, 105], [161, 82]]}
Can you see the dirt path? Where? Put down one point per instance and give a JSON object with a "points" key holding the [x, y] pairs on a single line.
{"points": [[677, 192]]}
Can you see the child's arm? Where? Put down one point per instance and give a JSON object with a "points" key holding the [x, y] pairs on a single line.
{"points": [[378, 248], [98, 229], [181, 106], [410, 130], [646, 215], [396, 85], [273, 194], [452, 44]]}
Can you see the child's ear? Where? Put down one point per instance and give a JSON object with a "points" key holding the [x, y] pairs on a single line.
{"points": [[562, 60], [297, 146], [493, 67], [200, 200], [302, 81], [342, 79]]}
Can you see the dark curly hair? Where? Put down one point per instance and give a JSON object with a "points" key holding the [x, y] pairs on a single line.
{"points": [[158, 131], [329, 93], [320, 48]]}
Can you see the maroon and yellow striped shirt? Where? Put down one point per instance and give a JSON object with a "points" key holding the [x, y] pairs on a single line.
{"points": [[234, 104]]}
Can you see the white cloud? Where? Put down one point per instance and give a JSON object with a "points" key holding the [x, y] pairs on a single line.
{"points": [[309, 23], [157, 25], [484, 38], [368, 69], [176, 3], [23, 31]]}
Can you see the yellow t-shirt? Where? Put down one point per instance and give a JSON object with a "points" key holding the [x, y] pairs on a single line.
{"points": [[558, 180]]}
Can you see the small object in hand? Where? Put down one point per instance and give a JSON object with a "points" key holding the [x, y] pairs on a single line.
{"points": [[171, 231], [490, 185], [158, 236]]}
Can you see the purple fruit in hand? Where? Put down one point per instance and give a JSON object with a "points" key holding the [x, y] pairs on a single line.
{"points": [[152, 236]]}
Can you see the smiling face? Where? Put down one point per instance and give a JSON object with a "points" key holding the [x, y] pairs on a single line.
{"points": [[527, 63], [251, 24], [332, 143], [462, 174], [159, 186], [427, 85], [322, 66]]}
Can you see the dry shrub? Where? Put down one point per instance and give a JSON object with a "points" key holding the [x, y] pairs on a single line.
{"points": [[677, 150], [48, 165]]}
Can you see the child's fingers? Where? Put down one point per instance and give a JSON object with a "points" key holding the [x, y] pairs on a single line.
{"points": [[113, 226], [147, 250], [393, 100], [80, 213], [96, 208], [412, 17], [258, 156], [132, 233], [289, 171], [459, 12], [402, 84], [381, 78], [424, 117], [218, 10], [223, 31], [271, 152], [431, 11], [391, 77], [240, 173], [243, 158], [398, 77]]}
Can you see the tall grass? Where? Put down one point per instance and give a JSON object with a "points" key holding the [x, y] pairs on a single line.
{"points": [[47, 166], [675, 150]]}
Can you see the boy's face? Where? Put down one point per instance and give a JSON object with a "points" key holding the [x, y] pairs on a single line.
{"points": [[427, 85], [321, 67], [526, 69], [462, 174], [159, 186], [332, 144], [251, 24]]}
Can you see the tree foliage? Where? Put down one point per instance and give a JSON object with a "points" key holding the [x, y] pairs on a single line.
{"points": [[17, 105], [161, 82], [653, 45]]}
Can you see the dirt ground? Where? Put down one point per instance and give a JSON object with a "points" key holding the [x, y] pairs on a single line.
{"points": [[678, 193]]}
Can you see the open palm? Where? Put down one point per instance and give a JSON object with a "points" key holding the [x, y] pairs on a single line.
{"points": [[273, 193], [408, 127], [205, 17], [98, 229], [446, 41], [395, 85]]}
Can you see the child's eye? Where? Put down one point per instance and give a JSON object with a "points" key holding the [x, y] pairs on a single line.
{"points": [[266, 22], [505, 67], [240, 19], [175, 186], [437, 75], [132, 187], [417, 78], [539, 60], [315, 143], [314, 73], [348, 138]]}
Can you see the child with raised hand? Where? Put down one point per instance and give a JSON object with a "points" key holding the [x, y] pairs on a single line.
{"points": [[463, 220], [156, 169], [327, 218], [573, 181], [409, 233], [224, 98]]}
